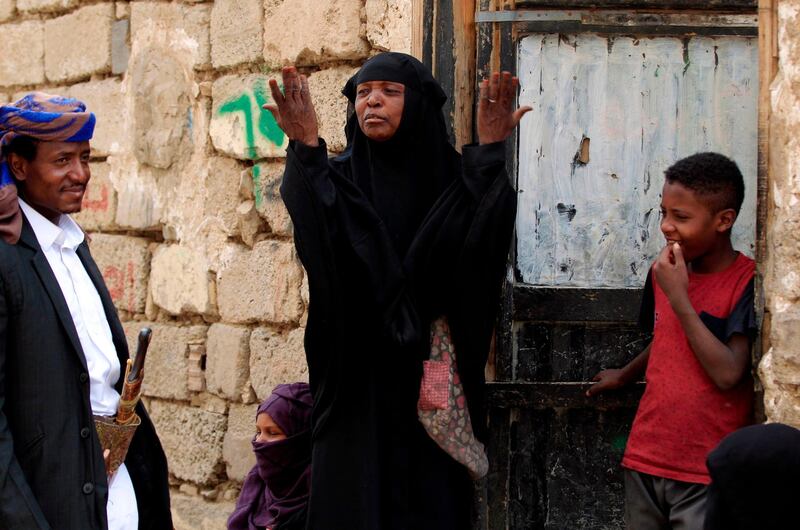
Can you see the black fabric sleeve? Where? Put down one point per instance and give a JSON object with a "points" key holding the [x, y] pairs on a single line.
{"points": [[742, 319], [342, 242], [464, 279], [481, 165], [314, 161], [647, 311]]}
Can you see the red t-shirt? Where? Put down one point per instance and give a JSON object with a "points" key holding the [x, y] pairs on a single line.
{"points": [[683, 415]]}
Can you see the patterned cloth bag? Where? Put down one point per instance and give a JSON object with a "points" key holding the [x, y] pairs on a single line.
{"points": [[442, 406]]}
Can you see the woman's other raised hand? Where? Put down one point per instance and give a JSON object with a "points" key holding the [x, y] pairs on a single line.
{"points": [[496, 115], [293, 109]]}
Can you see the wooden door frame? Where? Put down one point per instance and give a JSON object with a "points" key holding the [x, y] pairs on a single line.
{"points": [[443, 37], [446, 35], [463, 41], [768, 68], [526, 302]]}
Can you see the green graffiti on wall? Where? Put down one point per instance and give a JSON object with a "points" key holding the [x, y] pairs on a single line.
{"points": [[264, 124], [257, 186]]}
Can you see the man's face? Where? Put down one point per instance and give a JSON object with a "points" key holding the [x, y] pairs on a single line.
{"points": [[54, 182], [379, 108], [689, 222]]}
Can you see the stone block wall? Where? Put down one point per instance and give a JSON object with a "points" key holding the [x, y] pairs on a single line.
{"points": [[780, 367], [184, 208]]}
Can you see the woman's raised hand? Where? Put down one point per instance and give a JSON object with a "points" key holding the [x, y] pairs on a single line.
{"points": [[496, 115], [293, 109]]}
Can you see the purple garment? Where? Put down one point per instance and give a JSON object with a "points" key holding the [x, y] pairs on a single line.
{"points": [[278, 485]]}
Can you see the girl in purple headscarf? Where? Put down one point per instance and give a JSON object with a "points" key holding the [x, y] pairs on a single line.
{"points": [[275, 492]]}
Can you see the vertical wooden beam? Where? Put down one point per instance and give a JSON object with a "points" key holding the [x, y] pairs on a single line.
{"points": [[432, 10], [494, 64], [768, 67], [444, 56], [465, 53], [417, 28]]}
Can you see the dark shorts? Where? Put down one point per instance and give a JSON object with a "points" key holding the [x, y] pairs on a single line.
{"points": [[655, 503]]}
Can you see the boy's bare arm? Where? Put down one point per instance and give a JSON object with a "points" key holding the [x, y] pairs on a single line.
{"points": [[725, 363], [614, 378]]}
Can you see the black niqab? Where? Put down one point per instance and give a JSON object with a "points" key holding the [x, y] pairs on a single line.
{"points": [[392, 235], [403, 176]]}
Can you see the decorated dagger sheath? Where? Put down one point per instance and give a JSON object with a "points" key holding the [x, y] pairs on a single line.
{"points": [[132, 385], [115, 434]]}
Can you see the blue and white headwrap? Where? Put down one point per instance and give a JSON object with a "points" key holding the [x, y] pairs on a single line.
{"points": [[43, 117]]}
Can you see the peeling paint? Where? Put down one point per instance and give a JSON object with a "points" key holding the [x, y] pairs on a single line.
{"points": [[645, 103]]}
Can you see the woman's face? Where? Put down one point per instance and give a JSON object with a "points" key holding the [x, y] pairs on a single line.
{"points": [[379, 108], [267, 430]]}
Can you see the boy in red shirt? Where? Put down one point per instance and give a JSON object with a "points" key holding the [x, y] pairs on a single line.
{"points": [[698, 301]]}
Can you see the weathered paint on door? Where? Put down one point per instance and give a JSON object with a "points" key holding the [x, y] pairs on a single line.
{"points": [[554, 453], [611, 113], [613, 109]]}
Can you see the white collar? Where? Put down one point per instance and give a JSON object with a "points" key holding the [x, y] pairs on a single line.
{"points": [[66, 234]]}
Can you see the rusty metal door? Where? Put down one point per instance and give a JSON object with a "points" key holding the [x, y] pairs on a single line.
{"points": [[618, 94]]}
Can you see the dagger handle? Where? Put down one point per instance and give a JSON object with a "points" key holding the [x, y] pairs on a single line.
{"points": [[141, 352]]}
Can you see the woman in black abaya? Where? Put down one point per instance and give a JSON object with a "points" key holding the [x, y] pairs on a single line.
{"points": [[395, 232]]}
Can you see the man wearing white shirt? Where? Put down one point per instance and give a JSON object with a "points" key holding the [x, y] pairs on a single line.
{"points": [[62, 346]]}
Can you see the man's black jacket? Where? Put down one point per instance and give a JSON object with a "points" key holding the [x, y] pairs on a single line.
{"points": [[51, 466]]}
